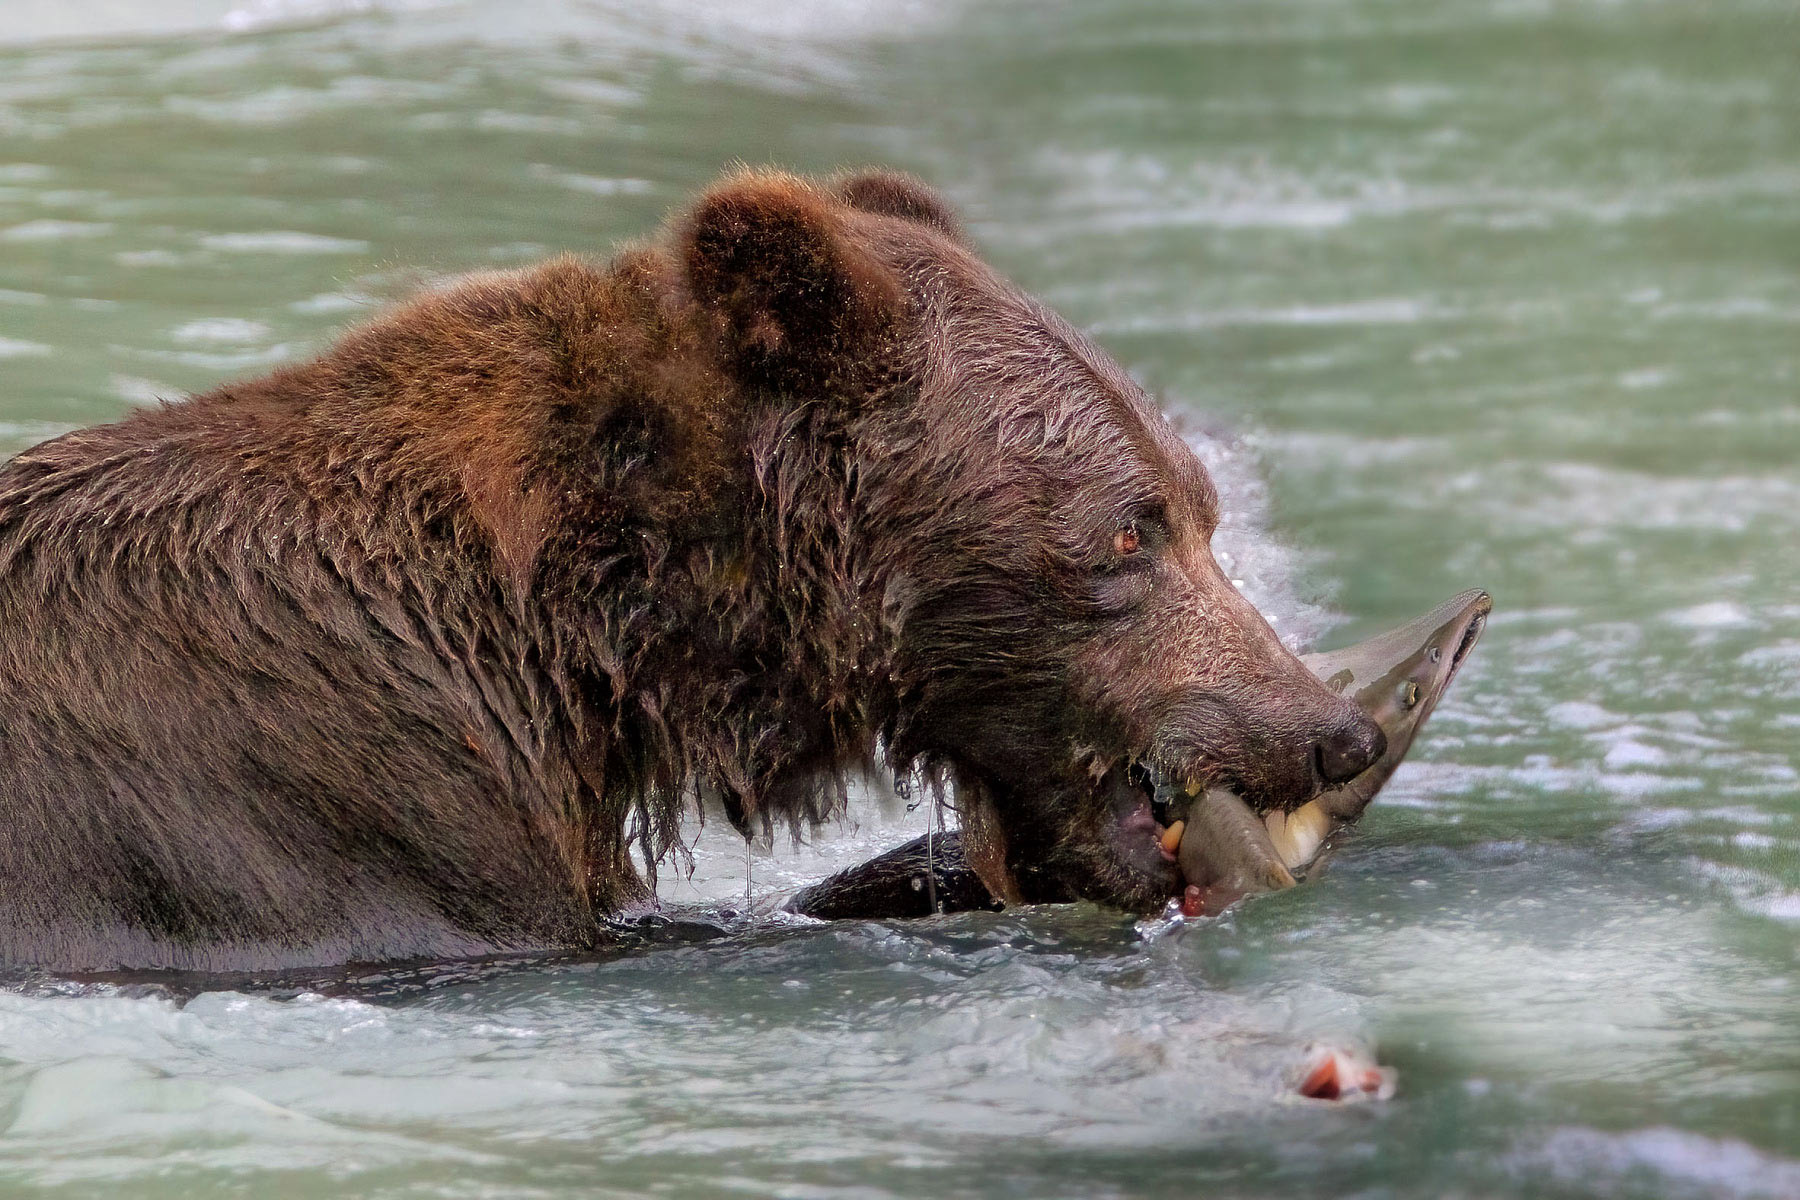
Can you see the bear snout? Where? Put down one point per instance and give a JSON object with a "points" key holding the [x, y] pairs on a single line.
{"points": [[1349, 750], [1274, 746]]}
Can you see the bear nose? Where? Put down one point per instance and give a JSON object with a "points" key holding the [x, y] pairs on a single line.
{"points": [[1349, 750]]}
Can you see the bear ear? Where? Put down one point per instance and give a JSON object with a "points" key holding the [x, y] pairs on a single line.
{"points": [[891, 194], [802, 303]]}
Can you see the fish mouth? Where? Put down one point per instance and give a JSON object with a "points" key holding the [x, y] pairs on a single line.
{"points": [[1420, 658], [1475, 622], [1443, 659]]}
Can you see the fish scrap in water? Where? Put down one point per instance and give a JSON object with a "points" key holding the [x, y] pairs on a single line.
{"points": [[1345, 1073]]}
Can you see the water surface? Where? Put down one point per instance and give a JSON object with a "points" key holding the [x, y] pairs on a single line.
{"points": [[1500, 294]]}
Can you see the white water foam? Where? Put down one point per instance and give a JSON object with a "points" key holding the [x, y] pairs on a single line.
{"points": [[1679, 1162], [283, 241]]}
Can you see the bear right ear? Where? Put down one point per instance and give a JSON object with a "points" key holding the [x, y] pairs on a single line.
{"points": [[891, 194], [801, 303]]}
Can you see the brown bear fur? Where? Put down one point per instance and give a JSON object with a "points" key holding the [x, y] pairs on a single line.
{"points": [[405, 652]]}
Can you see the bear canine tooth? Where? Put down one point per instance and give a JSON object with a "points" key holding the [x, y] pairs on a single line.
{"points": [[1171, 838]]}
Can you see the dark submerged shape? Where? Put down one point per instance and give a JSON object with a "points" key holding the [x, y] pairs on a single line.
{"points": [[927, 875], [397, 654]]}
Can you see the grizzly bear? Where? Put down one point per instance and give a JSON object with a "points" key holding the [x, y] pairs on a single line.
{"points": [[415, 650]]}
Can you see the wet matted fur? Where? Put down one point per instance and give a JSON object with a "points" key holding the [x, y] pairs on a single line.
{"points": [[411, 650]]}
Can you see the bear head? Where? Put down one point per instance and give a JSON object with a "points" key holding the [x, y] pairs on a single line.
{"points": [[1012, 527]]}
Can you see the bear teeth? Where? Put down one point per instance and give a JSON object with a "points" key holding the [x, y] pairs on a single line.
{"points": [[1171, 837]]}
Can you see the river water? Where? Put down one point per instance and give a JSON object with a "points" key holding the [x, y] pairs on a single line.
{"points": [[1498, 293]]}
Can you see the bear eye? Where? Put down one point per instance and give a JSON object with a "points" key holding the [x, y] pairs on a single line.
{"points": [[1144, 530]]}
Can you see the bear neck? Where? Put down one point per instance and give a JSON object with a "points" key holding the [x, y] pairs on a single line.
{"points": [[732, 652], [808, 682]]}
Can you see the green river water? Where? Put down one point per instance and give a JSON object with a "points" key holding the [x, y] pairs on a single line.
{"points": [[1498, 293]]}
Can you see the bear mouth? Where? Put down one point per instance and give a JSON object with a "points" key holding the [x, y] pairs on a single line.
{"points": [[1147, 800], [1166, 793], [1157, 792], [1144, 799]]}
